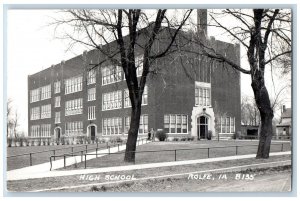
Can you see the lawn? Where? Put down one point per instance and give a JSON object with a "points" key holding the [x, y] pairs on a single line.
{"points": [[164, 152], [47, 151], [54, 182]]}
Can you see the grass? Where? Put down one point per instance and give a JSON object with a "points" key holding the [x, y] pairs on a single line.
{"points": [[38, 158], [54, 182], [165, 152]]}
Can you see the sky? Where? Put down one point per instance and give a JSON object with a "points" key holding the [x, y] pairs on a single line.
{"points": [[31, 47]]}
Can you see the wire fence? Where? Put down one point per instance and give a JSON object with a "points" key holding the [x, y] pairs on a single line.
{"points": [[168, 155]]}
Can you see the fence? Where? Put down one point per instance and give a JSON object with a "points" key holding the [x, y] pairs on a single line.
{"points": [[247, 137], [208, 151], [53, 152]]}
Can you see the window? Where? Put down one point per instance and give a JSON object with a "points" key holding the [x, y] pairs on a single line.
{"points": [[112, 100], [227, 124], [91, 77], [73, 128], [45, 111], [35, 113], [34, 95], [143, 129], [127, 102], [139, 65], [46, 130], [202, 96], [57, 101], [73, 85], [175, 123], [57, 117], [127, 125], [91, 112], [35, 131], [57, 87], [112, 126], [73, 107], [91, 94], [111, 74], [145, 96], [46, 92]]}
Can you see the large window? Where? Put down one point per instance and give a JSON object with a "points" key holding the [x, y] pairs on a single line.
{"points": [[57, 101], [127, 102], [91, 112], [127, 125], [112, 100], [35, 131], [175, 123], [46, 130], [73, 107], [227, 124], [35, 113], [57, 117], [57, 87], [46, 92], [91, 77], [92, 94], [112, 126], [45, 111], [73, 128], [202, 96], [139, 65], [73, 85], [34, 95], [111, 74], [143, 129]]}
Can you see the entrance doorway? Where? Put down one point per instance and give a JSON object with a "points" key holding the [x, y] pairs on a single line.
{"points": [[57, 133], [202, 127], [92, 132]]}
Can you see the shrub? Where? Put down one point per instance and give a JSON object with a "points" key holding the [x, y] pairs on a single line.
{"points": [[161, 135], [183, 139], [175, 139], [209, 134], [191, 138]]}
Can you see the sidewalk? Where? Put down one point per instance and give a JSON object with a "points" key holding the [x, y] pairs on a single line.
{"points": [[44, 168], [36, 173]]}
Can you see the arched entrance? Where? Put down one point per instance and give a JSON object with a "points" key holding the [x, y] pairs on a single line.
{"points": [[57, 133], [202, 127], [92, 131]]}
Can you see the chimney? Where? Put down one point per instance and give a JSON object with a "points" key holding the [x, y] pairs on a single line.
{"points": [[202, 22], [283, 108]]}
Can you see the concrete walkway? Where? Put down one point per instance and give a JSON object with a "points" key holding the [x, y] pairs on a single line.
{"points": [[37, 171], [21, 175]]}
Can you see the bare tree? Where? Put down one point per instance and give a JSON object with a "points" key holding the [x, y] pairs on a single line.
{"points": [[9, 120], [119, 35], [249, 112], [266, 36]]}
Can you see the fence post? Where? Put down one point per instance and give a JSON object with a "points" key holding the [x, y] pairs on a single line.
{"points": [[96, 152], [85, 161], [118, 148], [81, 155], [236, 150], [282, 147], [86, 148], [54, 154], [72, 149], [175, 154], [208, 152], [50, 163], [30, 155], [64, 161], [97, 144], [108, 150]]}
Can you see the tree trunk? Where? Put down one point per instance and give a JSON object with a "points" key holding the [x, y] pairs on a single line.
{"points": [[264, 106], [132, 134]]}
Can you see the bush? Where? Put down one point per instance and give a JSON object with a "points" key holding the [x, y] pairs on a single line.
{"points": [[161, 135], [183, 139], [191, 138], [209, 134], [175, 139]]}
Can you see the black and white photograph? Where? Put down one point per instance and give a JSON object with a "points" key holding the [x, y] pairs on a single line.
{"points": [[160, 100]]}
